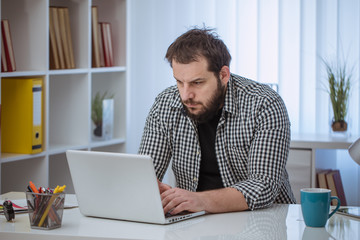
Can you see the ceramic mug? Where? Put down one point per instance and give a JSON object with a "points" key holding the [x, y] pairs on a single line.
{"points": [[315, 206]]}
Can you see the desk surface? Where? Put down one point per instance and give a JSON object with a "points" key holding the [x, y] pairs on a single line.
{"points": [[280, 221]]}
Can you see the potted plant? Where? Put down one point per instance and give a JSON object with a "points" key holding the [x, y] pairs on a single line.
{"points": [[97, 111], [339, 83]]}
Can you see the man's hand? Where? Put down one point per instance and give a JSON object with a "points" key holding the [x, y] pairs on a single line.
{"points": [[176, 200], [163, 187]]}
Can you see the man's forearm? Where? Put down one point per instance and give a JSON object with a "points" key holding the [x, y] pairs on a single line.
{"points": [[176, 200], [223, 200]]}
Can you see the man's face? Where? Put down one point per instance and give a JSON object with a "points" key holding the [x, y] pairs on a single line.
{"points": [[202, 93]]}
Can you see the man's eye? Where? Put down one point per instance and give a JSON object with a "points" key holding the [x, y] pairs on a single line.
{"points": [[197, 83]]}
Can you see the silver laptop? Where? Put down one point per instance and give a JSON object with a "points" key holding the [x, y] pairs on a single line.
{"points": [[118, 186]]}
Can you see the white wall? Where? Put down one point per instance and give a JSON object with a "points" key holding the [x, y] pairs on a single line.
{"points": [[276, 41]]}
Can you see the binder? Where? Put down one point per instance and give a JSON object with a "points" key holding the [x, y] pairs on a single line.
{"points": [[22, 115]]}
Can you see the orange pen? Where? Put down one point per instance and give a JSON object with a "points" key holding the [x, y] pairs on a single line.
{"points": [[33, 188]]}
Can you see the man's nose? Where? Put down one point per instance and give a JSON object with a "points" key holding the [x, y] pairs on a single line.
{"points": [[188, 92]]}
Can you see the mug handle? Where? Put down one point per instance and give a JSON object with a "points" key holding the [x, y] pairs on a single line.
{"points": [[337, 206]]}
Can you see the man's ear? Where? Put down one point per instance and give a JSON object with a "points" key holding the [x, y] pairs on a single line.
{"points": [[224, 74]]}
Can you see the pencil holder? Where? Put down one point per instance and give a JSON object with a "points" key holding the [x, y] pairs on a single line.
{"points": [[45, 209]]}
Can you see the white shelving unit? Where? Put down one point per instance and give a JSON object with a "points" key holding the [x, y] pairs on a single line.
{"points": [[67, 93]]}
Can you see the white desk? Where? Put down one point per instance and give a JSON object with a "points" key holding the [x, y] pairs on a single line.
{"points": [[278, 222]]}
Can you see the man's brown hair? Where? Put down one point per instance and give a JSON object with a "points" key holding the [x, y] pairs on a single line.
{"points": [[197, 43]]}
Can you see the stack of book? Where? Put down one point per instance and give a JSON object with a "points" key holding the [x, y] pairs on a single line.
{"points": [[102, 50], [61, 48], [331, 179], [7, 50]]}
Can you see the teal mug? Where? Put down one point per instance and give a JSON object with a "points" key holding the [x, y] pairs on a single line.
{"points": [[315, 206]]}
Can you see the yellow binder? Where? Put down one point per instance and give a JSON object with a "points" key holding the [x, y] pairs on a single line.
{"points": [[22, 115]]}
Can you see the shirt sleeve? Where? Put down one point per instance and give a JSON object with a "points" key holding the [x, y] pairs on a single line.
{"points": [[155, 143], [267, 155]]}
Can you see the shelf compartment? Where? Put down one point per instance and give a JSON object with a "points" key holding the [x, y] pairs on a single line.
{"points": [[113, 83], [114, 12], [32, 169], [28, 21], [69, 108], [80, 29]]}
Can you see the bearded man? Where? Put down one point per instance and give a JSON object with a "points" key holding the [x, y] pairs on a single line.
{"points": [[226, 136]]}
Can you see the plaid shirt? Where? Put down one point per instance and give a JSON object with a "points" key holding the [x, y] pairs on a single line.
{"points": [[252, 142]]}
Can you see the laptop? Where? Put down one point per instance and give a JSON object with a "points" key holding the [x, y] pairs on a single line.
{"points": [[118, 186]]}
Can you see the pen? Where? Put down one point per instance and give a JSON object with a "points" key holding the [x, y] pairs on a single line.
{"points": [[33, 188], [30, 205]]}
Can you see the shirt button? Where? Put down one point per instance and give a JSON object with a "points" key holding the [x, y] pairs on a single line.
{"points": [[195, 179]]}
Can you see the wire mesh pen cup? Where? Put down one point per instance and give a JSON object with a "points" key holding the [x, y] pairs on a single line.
{"points": [[45, 209]]}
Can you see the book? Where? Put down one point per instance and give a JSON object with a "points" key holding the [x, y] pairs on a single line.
{"points": [[60, 51], [54, 54], [107, 44], [95, 37], [331, 185], [22, 115], [8, 46], [64, 40], [321, 178], [104, 47], [68, 37], [3, 57], [102, 58], [339, 187], [6, 49]]}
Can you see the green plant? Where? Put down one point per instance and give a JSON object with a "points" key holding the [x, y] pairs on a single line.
{"points": [[339, 83], [97, 107]]}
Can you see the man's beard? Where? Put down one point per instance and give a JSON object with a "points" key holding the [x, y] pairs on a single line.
{"points": [[211, 109]]}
